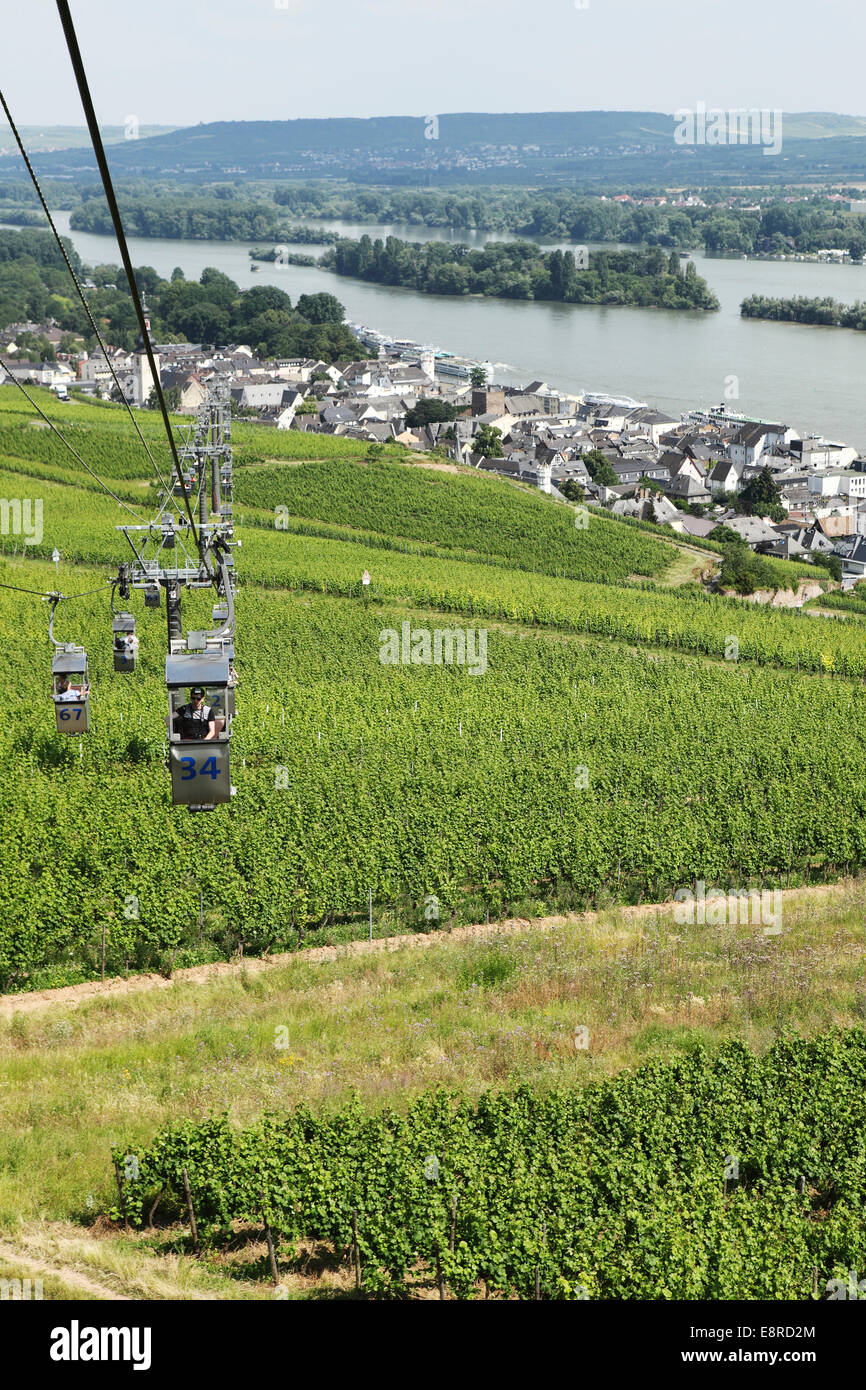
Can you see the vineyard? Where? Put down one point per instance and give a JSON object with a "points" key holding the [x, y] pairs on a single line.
{"points": [[402, 781], [459, 511], [725, 1177], [623, 739]]}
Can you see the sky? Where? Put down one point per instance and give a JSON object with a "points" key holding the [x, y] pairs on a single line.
{"points": [[179, 62]]}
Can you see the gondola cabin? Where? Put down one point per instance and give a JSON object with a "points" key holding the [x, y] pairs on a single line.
{"points": [[223, 700], [71, 690], [199, 730], [125, 642]]}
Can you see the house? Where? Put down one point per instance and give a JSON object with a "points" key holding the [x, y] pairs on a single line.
{"points": [[811, 539], [652, 423], [748, 444], [725, 477], [787, 547], [632, 470], [697, 526], [192, 390], [249, 394], [830, 482], [752, 530], [282, 416], [690, 489], [608, 416], [852, 552], [815, 452]]}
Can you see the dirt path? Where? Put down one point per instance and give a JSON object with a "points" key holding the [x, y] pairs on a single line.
{"points": [[73, 995], [26, 1267]]}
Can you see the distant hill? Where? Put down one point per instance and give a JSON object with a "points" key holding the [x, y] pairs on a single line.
{"points": [[39, 138], [575, 146]]}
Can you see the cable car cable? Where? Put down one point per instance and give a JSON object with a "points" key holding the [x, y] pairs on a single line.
{"points": [[74, 452], [102, 162], [52, 594], [91, 320]]}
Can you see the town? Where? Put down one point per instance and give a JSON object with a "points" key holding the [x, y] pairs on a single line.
{"points": [[782, 494]]}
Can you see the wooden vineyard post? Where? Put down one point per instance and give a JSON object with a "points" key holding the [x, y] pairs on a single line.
{"points": [[156, 1203], [356, 1253], [190, 1211], [102, 976], [271, 1256], [814, 1281], [440, 1277], [117, 1174], [453, 1223]]}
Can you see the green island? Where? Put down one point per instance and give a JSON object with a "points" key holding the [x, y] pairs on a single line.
{"points": [[521, 270], [826, 312]]}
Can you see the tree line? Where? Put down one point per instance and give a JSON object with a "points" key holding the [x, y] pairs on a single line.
{"points": [[213, 310], [521, 270], [829, 313], [190, 217]]}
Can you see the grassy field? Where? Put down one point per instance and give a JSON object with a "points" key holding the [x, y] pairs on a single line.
{"points": [[477, 1012]]}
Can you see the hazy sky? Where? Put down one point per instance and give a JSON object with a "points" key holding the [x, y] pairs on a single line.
{"points": [[184, 61]]}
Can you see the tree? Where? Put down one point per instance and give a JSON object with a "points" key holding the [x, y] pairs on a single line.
{"points": [[177, 274], [761, 496], [258, 300], [478, 378], [321, 308], [572, 490], [599, 469], [832, 563], [171, 396], [488, 441], [308, 406], [430, 410], [741, 569]]}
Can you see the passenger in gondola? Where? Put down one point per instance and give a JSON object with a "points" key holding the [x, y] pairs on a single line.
{"points": [[196, 720], [64, 691], [233, 675]]}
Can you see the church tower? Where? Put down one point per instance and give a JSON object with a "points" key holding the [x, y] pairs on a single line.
{"points": [[142, 377]]}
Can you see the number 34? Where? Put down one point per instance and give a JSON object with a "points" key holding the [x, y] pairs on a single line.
{"points": [[207, 769]]}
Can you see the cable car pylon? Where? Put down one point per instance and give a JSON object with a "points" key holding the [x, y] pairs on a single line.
{"points": [[199, 668]]}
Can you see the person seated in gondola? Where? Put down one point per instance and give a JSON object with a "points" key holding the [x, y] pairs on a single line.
{"points": [[233, 675], [196, 720], [64, 691], [126, 644]]}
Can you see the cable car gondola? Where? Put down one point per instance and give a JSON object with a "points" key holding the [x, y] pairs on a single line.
{"points": [[125, 642], [199, 761], [71, 690], [70, 681]]}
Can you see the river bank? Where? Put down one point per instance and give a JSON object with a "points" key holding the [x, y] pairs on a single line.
{"points": [[673, 359]]}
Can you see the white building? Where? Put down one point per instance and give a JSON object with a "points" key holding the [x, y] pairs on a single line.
{"points": [[832, 482], [141, 382]]}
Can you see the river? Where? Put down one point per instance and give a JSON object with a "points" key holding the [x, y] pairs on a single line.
{"points": [[804, 376]]}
